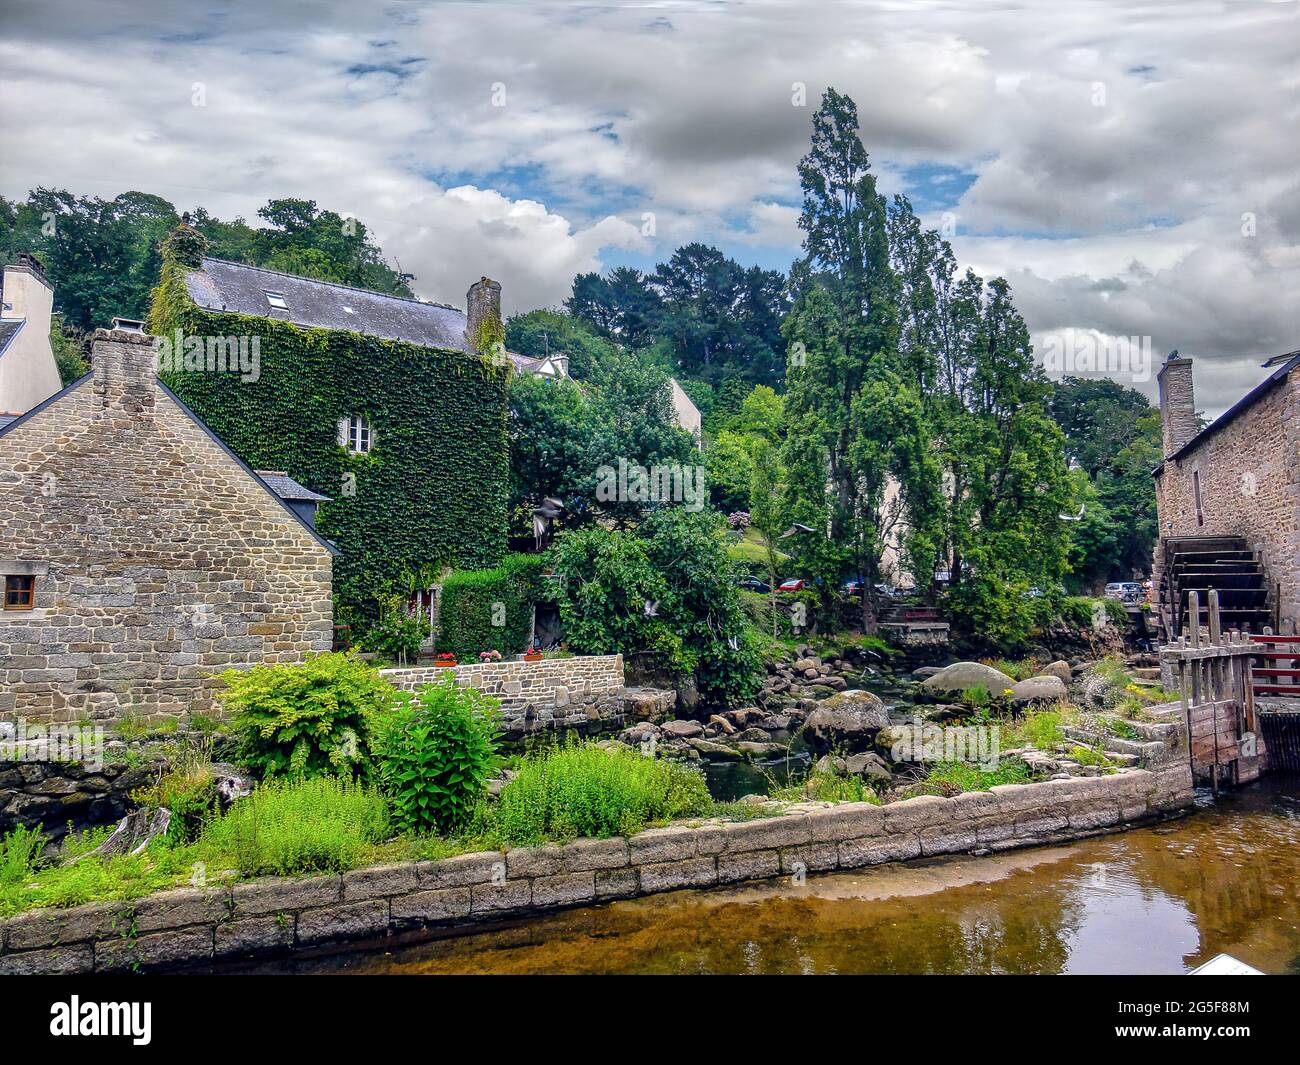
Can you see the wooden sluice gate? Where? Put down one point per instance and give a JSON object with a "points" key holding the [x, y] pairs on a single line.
{"points": [[1212, 671]]}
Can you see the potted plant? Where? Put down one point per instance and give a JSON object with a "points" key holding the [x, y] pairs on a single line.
{"points": [[491, 655], [445, 660], [533, 656]]}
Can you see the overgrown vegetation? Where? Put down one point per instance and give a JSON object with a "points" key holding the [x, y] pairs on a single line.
{"points": [[305, 719], [435, 754], [490, 609], [322, 824], [582, 790]]}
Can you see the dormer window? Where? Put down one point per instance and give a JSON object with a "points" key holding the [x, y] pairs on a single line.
{"points": [[276, 300], [357, 436]]}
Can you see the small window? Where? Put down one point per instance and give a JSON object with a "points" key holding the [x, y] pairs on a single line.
{"points": [[20, 593], [359, 435], [1196, 491], [276, 299]]}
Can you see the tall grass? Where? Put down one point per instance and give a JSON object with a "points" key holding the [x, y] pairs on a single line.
{"points": [[322, 824], [585, 790]]}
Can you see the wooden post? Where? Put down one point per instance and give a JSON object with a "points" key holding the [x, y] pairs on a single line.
{"points": [[1194, 616], [1214, 616]]}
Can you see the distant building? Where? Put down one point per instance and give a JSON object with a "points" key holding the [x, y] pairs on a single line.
{"points": [[1228, 499], [28, 372], [139, 554]]}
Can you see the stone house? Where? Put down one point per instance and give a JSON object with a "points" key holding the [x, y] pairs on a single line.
{"points": [[139, 554], [28, 372], [1228, 501]]}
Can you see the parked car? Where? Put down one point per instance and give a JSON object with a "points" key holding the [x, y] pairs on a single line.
{"points": [[753, 584], [795, 584], [1125, 591]]}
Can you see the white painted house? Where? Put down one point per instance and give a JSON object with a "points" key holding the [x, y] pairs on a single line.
{"points": [[28, 373]]}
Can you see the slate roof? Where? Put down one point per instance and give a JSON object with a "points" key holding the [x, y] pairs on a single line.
{"points": [[5, 419], [287, 488], [1292, 362], [221, 285], [8, 330]]}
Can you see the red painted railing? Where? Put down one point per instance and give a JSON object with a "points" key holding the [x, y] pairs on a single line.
{"points": [[1277, 668]]}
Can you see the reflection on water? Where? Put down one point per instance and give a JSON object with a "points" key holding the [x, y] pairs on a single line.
{"points": [[1158, 900]]}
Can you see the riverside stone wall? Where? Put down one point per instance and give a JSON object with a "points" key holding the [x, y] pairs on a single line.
{"points": [[199, 927], [585, 691]]}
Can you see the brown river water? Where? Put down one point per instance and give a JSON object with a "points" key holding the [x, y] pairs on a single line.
{"points": [[1154, 900]]}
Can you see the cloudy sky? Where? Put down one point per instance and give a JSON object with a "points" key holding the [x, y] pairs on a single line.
{"points": [[1133, 169]]}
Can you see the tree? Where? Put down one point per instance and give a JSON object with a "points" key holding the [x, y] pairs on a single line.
{"points": [[844, 327], [766, 509], [546, 332]]}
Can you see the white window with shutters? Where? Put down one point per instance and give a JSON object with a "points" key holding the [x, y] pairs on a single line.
{"points": [[356, 435]]}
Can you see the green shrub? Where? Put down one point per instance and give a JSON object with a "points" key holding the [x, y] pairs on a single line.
{"points": [[20, 854], [435, 755], [584, 790], [305, 719], [396, 634], [953, 778], [490, 609], [322, 824], [189, 791], [827, 787], [1042, 728]]}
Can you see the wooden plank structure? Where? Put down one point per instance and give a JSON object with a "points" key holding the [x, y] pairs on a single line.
{"points": [[1277, 669], [1213, 672]]}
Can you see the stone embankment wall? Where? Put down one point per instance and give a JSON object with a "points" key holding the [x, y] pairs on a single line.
{"points": [[556, 693], [199, 927]]}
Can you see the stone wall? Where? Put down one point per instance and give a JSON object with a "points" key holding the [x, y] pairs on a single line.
{"points": [[583, 692], [158, 559], [1249, 474], [197, 927]]}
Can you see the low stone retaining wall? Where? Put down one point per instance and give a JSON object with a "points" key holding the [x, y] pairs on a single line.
{"points": [[585, 691], [195, 927]]}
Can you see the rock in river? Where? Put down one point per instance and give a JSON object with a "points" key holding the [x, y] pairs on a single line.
{"points": [[847, 721], [1038, 690], [963, 675]]}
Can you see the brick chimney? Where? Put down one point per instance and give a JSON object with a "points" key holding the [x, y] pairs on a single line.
{"points": [[482, 304], [124, 359], [1177, 403]]}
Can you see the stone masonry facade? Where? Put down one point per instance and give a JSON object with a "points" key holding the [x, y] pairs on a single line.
{"points": [[583, 692], [158, 558], [200, 927], [1249, 477]]}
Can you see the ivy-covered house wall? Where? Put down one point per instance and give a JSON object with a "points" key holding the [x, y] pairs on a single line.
{"points": [[433, 489]]}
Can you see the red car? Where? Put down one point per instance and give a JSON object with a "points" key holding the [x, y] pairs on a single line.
{"points": [[795, 585]]}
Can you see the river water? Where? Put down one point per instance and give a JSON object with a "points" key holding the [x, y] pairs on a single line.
{"points": [[1154, 900]]}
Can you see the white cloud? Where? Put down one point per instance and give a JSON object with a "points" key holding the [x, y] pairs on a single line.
{"points": [[1115, 146]]}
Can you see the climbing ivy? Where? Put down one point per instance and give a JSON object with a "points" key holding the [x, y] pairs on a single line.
{"points": [[431, 493], [490, 609]]}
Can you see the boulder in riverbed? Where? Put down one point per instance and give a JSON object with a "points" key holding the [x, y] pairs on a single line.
{"points": [[1037, 690], [1059, 668], [846, 721], [961, 676]]}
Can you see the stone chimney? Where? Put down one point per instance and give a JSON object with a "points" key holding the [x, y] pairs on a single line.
{"points": [[1177, 403], [124, 362], [482, 304]]}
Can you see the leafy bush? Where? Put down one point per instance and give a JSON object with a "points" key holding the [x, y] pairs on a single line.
{"points": [[667, 587], [474, 601], [20, 854], [435, 755], [396, 634], [189, 791], [828, 787], [584, 790], [314, 717], [322, 824]]}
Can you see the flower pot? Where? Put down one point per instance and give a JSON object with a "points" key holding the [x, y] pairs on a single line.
{"points": [[446, 665], [530, 657]]}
